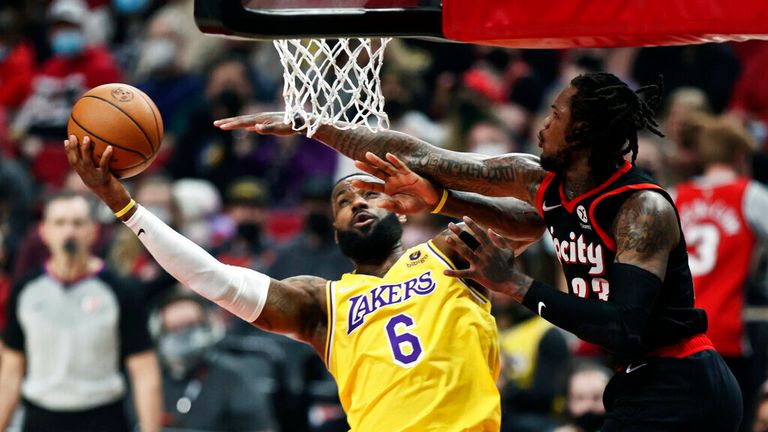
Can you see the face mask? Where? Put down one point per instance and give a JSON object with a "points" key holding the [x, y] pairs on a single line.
{"points": [[159, 54], [230, 100], [130, 7], [590, 421], [68, 43], [319, 224], [4, 51], [183, 350]]}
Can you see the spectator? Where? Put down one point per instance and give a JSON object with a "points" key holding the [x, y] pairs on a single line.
{"points": [[314, 251], [202, 391], [17, 61], [584, 404], [533, 352], [247, 209], [74, 68], [761, 413], [723, 215], [71, 328]]}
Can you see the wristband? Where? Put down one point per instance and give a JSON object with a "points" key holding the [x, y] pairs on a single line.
{"points": [[441, 203], [131, 204]]}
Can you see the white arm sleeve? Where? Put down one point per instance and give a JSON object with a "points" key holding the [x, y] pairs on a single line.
{"points": [[756, 208], [239, 290]]}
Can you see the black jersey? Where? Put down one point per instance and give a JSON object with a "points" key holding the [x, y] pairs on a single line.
{"points": [[580, 229]]}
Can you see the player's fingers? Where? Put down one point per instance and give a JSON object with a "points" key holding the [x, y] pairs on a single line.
{"points": [[104, 161], [85, 149], [380, 163], [372, 170], [477, 231], [235, 122], [71, 152], [390, 205], [368, 186], [460, 274], [499, 240], [455, 243], [397, 163]]}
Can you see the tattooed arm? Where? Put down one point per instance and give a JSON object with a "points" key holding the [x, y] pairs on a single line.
{"points": [[517, 175], [296, 307], [646, 231]]}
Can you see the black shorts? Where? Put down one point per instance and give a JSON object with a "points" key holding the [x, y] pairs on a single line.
{"points": [[106, 418], [694, 393]]}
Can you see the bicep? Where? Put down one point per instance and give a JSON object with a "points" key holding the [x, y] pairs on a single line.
{"points": [[646, 230], [295, 307], [510, 217]]}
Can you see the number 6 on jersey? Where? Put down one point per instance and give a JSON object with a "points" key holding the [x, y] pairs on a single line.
{"points": [[406, 347]]}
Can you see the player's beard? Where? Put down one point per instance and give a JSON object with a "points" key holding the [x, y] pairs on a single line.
{"points": [[557, 163], [374, 245]]}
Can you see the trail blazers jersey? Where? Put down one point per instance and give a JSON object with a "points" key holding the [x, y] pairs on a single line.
{"points": [[415, 350], [720, 246], [581, 231]]}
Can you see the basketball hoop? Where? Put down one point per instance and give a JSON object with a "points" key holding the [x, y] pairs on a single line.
{"points": [[333, 81]]}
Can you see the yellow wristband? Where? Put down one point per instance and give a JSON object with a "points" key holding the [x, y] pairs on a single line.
{"points": [[126, 209], [440, 204]]}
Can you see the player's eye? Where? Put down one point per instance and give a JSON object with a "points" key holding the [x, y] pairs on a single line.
{"points": [[343, 202], [371, 194]]}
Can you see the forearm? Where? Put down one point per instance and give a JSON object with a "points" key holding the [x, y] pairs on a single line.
{"points": [[509, 217], [498, 176], [148, 396], [10, 394], [618, 325], [239, 290]]}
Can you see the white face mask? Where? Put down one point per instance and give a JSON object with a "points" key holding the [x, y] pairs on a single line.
{"points": [[158, 54], [491, 148]]}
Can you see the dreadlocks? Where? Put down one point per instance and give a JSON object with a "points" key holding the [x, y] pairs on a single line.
{"points": [[611, 114]]}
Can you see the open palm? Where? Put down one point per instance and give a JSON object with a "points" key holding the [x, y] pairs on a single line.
{"points": [[408, 192]]}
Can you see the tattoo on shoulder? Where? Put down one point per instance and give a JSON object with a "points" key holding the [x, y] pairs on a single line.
{"points": [[645, 226]]}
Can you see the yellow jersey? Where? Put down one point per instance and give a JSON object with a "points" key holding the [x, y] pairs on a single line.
{"points": [[414, 350]]}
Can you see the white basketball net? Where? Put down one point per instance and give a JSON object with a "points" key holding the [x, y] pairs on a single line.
{"points": [[333, 81]]}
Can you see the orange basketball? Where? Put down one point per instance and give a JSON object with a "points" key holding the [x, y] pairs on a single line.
{"points": [[125, 118]]}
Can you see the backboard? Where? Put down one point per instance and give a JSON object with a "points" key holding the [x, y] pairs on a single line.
{"points": [[288, 19], [522, 24]]}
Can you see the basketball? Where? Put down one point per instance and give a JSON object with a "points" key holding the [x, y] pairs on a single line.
{"points": [[125, 118]]}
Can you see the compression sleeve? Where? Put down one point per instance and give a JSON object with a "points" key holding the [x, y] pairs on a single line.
{"points": [[239, 290], [617, 325]]}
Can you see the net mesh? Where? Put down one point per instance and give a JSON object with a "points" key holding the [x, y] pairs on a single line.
{"points": [[333, 81]]}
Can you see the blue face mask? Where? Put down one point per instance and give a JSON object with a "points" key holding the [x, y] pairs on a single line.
{"points": [[130, 7], [68, 43]]}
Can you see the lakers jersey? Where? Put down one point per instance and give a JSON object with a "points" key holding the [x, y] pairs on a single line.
{"points": [[414, 350]]}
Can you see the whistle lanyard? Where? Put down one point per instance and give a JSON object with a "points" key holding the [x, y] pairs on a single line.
{"points": [[191, 392]]}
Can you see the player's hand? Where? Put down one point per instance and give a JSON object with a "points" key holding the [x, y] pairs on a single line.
{"points": [[491, 261], [408, 192], [270, 123], [98, 178]]}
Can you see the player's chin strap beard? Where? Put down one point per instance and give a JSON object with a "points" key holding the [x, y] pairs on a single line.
{"points": [[375, 246]]}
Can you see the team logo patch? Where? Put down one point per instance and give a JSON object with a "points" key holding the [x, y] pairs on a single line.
{"points": [[414, 256], [581, 212], [122, 94]]}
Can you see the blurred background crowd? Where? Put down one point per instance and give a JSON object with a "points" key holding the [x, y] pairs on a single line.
{"points": [[262, 201]]}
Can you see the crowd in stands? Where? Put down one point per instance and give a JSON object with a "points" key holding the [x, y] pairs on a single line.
{"points": [[263, 201]]}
